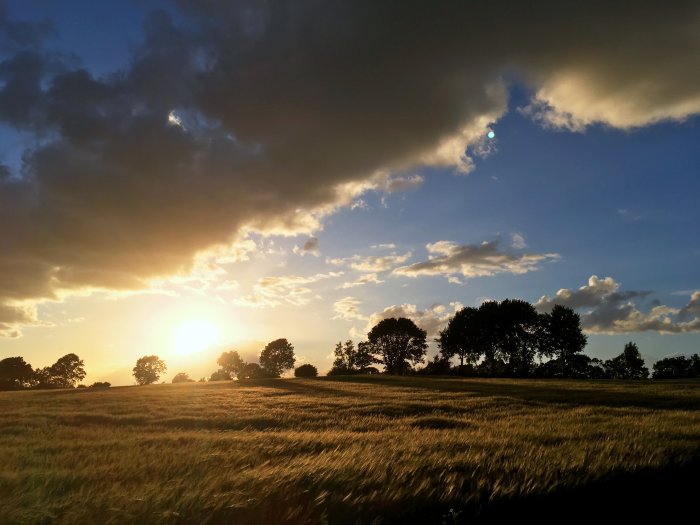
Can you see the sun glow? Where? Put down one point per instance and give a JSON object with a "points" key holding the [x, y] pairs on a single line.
{"points": [[195, 335]]}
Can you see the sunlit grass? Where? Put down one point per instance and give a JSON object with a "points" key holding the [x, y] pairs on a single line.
{"points": [[338, 451]]}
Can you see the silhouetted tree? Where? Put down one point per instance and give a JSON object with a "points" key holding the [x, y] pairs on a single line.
{"points": [[15, 373], [231, 363], [439, 365], [306, 370], [562, 339], [489, 320], [344, 357], [182, 377], [628, 365], [65, 372], [461, 337], [220, 375], [351, 360], [148, 369], [252, 371], [679, 367], [277, 357], [101, 384], [517, 324], [398, 344]]}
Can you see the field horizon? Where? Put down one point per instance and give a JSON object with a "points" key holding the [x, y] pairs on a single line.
{"points": [[352, 449]]}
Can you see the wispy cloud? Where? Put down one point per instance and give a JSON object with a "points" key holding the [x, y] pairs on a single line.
{"points": [[285, 289], [473, 260]]}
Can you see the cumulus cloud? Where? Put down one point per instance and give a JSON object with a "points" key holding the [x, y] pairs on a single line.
{"points": [[606, 309], [253, 116], [473, 260], [432, 319]]}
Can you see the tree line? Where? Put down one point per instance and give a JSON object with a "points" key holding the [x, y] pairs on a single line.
{"points": [[497, 339], [67, 372], [500, 339]]}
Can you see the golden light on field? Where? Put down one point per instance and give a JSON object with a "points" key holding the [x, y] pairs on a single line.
{"points": [[195, 335]]}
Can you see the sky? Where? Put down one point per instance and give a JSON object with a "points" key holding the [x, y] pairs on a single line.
{"points": [[182, 178]]}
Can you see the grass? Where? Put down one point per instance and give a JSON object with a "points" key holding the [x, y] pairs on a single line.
{"points": [[352, 450]]}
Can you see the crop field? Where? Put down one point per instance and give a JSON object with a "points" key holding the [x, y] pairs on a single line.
{"points": [[353, 450]]}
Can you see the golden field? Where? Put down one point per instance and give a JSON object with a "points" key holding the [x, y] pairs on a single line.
{"points": [[352, 450]]}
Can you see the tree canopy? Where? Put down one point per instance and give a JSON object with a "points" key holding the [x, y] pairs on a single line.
{"points": [[230, 363], [628, 365], [277, 357], [562, 339], [398, 344], [679, 367], [351, 360], [15, 373], [148, 369]]}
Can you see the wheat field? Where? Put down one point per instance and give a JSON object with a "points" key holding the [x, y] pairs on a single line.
{"points": [[351, 450]]}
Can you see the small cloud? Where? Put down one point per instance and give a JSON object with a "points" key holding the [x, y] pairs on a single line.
{"points": [[517, 241], [348, 309], [309, 247], [368, 278]]}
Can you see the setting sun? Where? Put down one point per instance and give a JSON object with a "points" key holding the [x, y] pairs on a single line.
{"points": [[194, 336]]}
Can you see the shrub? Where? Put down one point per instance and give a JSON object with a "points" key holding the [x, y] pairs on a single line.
{"points": [[305, 371]]}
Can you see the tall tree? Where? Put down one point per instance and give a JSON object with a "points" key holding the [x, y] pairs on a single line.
{"points": [[628, 365], [148, 369], [67, 371], [562, 339], [344, 358], [461, 337], [277, 357], [489, 321], [231, 363], [363, 357], [15, 373], [351, 360], [398, 343], [517, 335]]}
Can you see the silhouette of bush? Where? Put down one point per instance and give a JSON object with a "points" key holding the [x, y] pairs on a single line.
{"points": [[305, 371], [101, 384]]}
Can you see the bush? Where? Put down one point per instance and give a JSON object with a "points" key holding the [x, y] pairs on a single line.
{"points": [[182, 377], [305, 371], [101, 384]]}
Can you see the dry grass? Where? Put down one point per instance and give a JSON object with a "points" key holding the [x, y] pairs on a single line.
{"points": [[345, 450]]}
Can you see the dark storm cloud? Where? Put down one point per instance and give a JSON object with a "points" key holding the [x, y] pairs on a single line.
{"points": [[269, 115]]}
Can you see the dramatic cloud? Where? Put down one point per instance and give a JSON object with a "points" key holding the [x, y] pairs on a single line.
{"points": [[473, 260], [256, 116], [432, 319], [604, 309]]}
